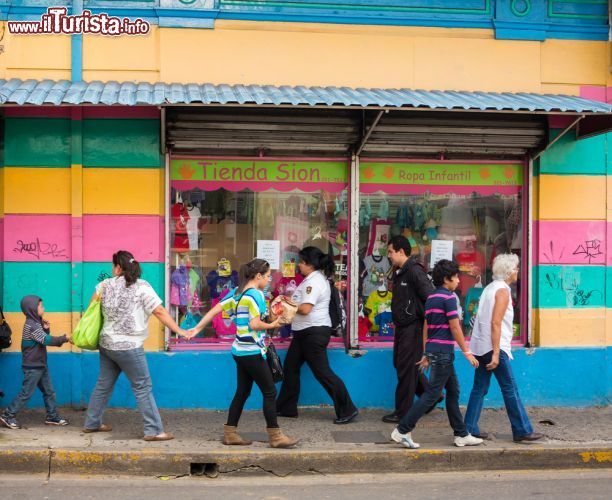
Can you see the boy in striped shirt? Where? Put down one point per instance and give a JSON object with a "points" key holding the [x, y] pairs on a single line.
{"points": [[35, 339], [440, 332]]}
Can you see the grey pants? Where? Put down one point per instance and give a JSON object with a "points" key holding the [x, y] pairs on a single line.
{"points": [[133, 363], [33, 378]]}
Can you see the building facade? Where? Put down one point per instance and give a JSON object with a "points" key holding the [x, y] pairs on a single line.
{"points": [[268, 133]]}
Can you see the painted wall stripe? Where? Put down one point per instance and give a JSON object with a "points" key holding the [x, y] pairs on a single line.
{"points": [[543, 376], [571, 242], [32, 190], [37, 112], [48, 280], [123, 191], [95, 272], [569, 156], [121, 143], [572, 197], [143, 235], [37, 142], [571, 327], [569, 287], [52, 281], [122, 112], [37, 238]]}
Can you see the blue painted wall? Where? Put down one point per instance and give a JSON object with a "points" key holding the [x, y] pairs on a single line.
{"points": [[547, 377]]}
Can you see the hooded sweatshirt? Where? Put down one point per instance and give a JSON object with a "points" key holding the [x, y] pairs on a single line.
{"points": [[35, 338]]}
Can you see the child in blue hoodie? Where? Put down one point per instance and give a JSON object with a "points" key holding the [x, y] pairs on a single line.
{"points": [[36, 337]]}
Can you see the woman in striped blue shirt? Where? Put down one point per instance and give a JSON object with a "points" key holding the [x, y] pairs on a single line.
{"points": [[246, 306]]}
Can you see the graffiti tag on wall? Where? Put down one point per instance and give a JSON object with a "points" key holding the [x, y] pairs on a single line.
{"points": [[39, 249]]}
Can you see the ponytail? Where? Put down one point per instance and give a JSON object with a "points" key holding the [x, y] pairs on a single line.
{"points": [[249, 270], [130, 268]]}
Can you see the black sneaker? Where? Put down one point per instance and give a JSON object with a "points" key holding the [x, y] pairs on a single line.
{"points": [[56, 421], [392, 418], [10, 422], [347, 419]]}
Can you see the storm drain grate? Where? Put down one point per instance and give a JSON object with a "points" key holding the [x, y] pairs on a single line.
{"points": [[372, 437]]}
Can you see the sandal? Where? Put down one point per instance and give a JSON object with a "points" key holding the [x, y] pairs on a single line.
{"points": [[102, 428], [164, 436]]}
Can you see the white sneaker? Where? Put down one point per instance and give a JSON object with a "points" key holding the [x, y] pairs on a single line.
{"points": [[405, 439], [468, 440]]}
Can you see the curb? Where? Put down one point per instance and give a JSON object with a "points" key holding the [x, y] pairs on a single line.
{"points": [[286, 462]]}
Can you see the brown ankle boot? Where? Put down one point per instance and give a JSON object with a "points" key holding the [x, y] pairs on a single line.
{"points": [[231, 437], [279, 440]]}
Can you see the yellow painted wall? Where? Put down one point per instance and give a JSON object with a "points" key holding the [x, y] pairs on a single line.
{"points": [[250, 52], [572, 197], [34, 188], [61, 323], [134, 191], [572, 327]]}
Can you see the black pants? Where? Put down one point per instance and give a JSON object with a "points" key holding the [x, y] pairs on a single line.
{"points": [[249, 369], [407, 351], [442, 376], [310, 345]]}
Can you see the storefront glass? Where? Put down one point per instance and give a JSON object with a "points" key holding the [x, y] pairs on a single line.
{"points": [[467, 212], [224, 212]]}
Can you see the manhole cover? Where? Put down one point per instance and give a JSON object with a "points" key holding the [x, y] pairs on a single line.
{"points": [[375, 437]]}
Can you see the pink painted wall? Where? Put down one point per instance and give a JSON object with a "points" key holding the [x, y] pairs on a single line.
{"points": [[142, 235], [596, 93], [37, 238], [1, 240], [571, 242]]}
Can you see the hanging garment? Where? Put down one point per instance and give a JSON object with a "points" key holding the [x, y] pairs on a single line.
{"points": [[379, 237], [377, 303], [377, 268]]}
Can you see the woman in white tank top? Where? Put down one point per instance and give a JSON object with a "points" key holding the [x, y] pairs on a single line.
{"points": [[491, 345]]}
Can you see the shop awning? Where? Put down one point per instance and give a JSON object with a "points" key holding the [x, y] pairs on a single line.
{"points": [[63, 92]]}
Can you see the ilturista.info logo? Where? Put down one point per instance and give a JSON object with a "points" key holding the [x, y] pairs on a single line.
{"points": [[57, 22]]}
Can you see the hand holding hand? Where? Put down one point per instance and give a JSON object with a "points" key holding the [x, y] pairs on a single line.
{"points": [[473, 361], [46, 324]]}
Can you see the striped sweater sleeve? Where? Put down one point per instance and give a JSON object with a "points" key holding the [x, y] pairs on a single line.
{"points": [[35, 333]]}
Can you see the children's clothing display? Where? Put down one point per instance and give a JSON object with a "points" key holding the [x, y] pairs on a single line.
{"points": [[379, 236], [378, 303], [376, 267], [180, 218], [223, 324], [179, 288], [220, 281], [193, 232]]}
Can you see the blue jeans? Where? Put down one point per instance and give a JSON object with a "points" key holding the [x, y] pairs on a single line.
{"points": [[442, 376], [519, 421], [33, 378], [133, 363]]}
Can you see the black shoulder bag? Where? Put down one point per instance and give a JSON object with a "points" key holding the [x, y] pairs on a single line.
{"points": [[5, 332], [274, 362]]}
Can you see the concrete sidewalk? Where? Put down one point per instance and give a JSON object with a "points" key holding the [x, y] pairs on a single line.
{"points": [[574, 438]]}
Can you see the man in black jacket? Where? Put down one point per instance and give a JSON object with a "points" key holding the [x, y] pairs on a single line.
{"points": [[411, 286]]}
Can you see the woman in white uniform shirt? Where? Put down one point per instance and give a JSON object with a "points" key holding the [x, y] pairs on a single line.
{"points": [[311, 334]]}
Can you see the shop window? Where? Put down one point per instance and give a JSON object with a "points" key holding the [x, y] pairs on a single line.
{"points": [[467, 212], [224, 212]]}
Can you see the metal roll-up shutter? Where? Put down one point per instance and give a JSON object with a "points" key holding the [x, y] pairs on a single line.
{"points": [[254, 131], [456, 135], [250, 132]]}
